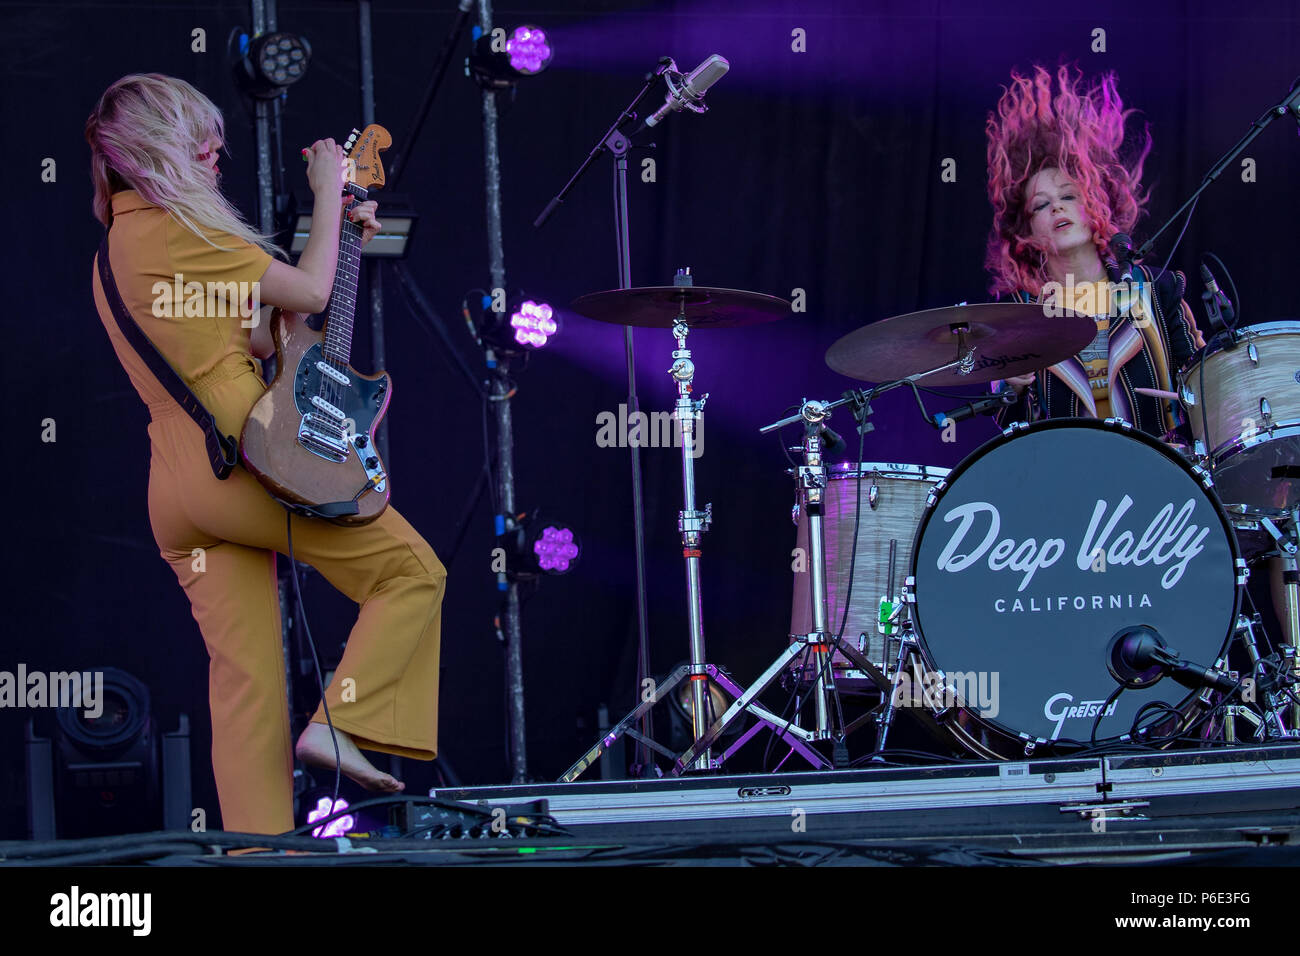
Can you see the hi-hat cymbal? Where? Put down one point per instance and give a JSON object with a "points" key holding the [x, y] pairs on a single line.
{"points": [[1009, 338], [657, 307]]}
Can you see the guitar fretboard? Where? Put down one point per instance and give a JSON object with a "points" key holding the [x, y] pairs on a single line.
{"points": [[343, 297]]}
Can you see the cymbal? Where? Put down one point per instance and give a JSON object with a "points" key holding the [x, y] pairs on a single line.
{"points": [[1009, 338], [657, 307]]}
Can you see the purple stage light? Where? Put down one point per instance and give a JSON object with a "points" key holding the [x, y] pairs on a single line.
{"points": [[534, 323], [336, 827], [555, 549], [528, 50]]}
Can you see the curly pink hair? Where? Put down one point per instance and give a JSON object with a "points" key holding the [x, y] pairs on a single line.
{"points": [[1079, 131]]}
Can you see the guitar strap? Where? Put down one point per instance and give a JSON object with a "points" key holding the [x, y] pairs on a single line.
{"points": [[223, 450]]}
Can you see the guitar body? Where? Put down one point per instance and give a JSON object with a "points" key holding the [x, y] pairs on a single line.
{"points": [[306, 466], [310, 439]]}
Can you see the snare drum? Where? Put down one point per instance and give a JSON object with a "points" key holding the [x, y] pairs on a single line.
{"points": [[1039, 549], [892, 501], [1243, 405]]}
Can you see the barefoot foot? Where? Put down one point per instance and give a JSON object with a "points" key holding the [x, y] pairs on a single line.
{"points": [[316, 749]]}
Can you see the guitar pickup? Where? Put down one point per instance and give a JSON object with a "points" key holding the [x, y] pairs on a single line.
{"points": [[327, 408], [329, 371]]}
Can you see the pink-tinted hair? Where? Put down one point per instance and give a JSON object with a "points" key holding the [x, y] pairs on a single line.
{"points": [[1078, 131]]}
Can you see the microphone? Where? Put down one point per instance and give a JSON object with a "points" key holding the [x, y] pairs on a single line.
{"points": [[690, 93], [1139, 657], [1218, 307], [981, 406], [1121, 247]]}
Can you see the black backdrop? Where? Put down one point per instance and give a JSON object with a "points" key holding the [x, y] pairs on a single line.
{"points": [[818, 171]]}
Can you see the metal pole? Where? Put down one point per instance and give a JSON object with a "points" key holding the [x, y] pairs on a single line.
{"points": [[505, 428], [374, 272], [263, 22]]}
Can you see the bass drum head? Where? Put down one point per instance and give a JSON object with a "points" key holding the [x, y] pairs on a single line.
{"points": [[1038, 549]]}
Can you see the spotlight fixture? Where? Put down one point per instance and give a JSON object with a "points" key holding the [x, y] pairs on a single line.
{"points": [[681, 714], [397, 219], [269, 64], [534, 323], [523, 325], [499, 60], [554, 548], [336, 827]]}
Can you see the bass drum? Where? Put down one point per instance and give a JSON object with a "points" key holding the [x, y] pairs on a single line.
{"points": [[1036, 551]]}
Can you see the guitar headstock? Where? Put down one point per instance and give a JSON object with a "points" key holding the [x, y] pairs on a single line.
{"points": [[364, 168]]}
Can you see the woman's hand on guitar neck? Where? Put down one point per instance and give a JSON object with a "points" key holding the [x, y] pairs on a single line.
{"points": [[363, 213]]}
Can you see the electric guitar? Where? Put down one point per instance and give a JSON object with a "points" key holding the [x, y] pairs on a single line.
{"points": [[310, 438]]}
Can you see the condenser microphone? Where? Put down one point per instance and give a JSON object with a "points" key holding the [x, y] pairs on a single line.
{"points": [[1121, 247], [690, 92]]}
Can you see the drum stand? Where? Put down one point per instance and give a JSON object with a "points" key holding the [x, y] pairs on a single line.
{"points": [[1289, 554], [692, 523]]}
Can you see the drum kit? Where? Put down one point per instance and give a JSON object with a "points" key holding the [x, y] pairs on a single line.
{"points": [[1073, 586]]}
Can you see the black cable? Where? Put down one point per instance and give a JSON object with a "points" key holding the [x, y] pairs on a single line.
{"points": [[1186, 222], [1092, 737], [320, 679]]}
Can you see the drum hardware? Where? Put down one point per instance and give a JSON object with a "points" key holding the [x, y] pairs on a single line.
{"points": [[1278, 720], [680, 308], [1230, 714]]}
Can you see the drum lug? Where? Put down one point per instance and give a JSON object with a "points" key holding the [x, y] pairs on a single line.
{"points": [[1013, 428], [1121, 423], [1186, 395], [1203, 473], [1243, 572], [934, 493], [1252, 353], [794, 514], [909, 589], [1266, 413], [873, 494]]}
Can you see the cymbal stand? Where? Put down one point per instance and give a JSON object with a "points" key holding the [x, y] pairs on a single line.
{"points": [[692, 523]]}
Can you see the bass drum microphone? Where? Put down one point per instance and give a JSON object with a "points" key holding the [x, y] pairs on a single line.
{"points": [[1138, 657]]}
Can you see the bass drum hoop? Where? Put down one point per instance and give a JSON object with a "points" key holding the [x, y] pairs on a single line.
{"points": [[986, 737]]}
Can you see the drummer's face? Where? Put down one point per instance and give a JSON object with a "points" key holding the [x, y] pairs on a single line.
{"points": [[1054, 205]]}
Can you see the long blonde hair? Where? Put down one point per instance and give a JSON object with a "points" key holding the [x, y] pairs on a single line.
{"points": [[144, 134]]}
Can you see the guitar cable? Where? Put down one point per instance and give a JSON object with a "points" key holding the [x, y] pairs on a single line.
{"points": [[320, 680]]}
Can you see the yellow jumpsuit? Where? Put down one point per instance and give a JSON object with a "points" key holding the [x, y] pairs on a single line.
{"points": [[220, 537]]}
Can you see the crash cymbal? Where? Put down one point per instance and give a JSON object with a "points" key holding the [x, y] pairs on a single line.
{"points": [[1010, 338], [657, 307]]}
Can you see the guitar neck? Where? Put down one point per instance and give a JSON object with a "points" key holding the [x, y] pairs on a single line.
{"points": [[342, 307]]}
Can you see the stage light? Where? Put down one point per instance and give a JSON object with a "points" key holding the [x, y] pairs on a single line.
{"points": [[528, 50], [267, 65], [396, 215], [555, 548], [510, 326], [681, 710], [534, 323], [498, 60], [336, 827]]}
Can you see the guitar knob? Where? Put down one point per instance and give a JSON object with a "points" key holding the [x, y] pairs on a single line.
{"points": [[372, 462], [362, 441]]}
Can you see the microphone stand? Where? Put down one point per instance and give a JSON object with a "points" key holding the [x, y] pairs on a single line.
{"points": [[618, 145], [1290, 104]]}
